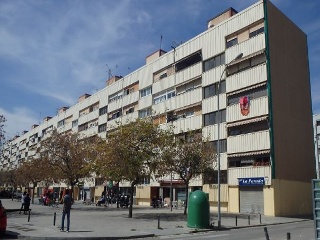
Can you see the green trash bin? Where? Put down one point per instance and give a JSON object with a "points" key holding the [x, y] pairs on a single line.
{"points": [[198, 210]]}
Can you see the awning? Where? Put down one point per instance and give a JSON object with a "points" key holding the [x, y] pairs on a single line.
{"points": [[251, 120], [249, 153], [246, 57], [246, 89]]}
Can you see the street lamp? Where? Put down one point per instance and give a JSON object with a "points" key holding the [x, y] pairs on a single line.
{"points": [[218, 142]]}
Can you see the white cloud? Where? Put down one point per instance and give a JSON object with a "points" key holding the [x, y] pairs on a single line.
{"points": [[17, 119]]}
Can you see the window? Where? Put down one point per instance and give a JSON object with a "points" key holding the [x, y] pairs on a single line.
{"points": [[103, 110], [210, 176], [212, 118], [214, 62], [130, 110], [257, 160], [223, 145], [83, 127], [61, 123], [212, 89], [189, 61], [115, 96], [232, 42], [189, 113], [247, 63], [164, 75], [145, 112], [145, 92], [248, 128], [102, 128], [256, 32], [128, 91], [116, 115], [251, 94], [75, 123], [164, 96]]}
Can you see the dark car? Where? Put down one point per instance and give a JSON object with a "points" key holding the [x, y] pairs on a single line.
{"points": [[3, 219]]}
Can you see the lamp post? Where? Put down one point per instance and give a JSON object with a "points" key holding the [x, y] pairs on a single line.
{"points": [[218, 141]]}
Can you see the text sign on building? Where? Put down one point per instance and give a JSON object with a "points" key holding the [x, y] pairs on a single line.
{"points": [[256, 181]]}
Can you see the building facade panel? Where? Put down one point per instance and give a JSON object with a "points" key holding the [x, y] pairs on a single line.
{"points": [[188, 73], [165, 83], [253, 76], [249, 172], [258, 107], [248, 142]]}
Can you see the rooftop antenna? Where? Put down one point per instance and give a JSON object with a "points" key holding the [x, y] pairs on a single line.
{"points": [[110, 71], [160, 41]]}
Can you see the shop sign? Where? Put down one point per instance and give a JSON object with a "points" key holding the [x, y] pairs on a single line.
{"points": [[256, 181]]}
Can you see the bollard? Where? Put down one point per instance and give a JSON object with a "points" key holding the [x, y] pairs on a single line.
{"points": [[54, 218], [288, 236], [29, 216], [248, 219], [266, 233], [158, 221], [236, 220], [260, 218]]}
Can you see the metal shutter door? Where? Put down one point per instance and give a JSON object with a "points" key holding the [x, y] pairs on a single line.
{"points": [[251, 200]]}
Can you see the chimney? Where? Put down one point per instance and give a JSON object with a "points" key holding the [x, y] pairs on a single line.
{"points": [[153, 56], [83, 97], [113, 79], [221, 17]]}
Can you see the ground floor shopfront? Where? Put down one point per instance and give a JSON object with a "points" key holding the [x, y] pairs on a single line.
{"points": [[278, 198]]}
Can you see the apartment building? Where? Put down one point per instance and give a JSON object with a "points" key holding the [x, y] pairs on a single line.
{"points": [[316, 125], [245, 82]]}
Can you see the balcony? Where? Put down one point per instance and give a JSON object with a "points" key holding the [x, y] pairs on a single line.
{"points": [[185, 124], [255, 141], [247, 47], [188, 73], [258, 107], [249, 77], [212, 131], [129, 117], [88, 117], [249, 172], [130, 98], [188, 98]]}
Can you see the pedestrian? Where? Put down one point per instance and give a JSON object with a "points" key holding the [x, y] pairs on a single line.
{"points": [[27, 201], [22, 201], [66, 210]]}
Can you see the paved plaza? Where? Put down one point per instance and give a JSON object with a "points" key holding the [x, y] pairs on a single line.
{"points": [[92, 222]]}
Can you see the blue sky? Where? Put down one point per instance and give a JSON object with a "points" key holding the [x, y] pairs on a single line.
{"points": [[53, 51]]}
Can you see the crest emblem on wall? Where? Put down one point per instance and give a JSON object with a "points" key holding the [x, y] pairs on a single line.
{"points": [[244, 105]]}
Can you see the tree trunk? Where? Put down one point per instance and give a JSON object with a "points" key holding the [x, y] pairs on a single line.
{"points": [[187, 195], [131, 200]]}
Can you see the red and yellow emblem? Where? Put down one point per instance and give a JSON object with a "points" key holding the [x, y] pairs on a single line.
{"points": [[244, 105]]}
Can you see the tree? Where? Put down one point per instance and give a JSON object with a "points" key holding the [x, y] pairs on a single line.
{"points": [[189, 156], [68, 154], [2, 132], [129, 153], [33, 171]]}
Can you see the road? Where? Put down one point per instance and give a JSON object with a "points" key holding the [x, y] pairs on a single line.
{"points": [[298, 231]]}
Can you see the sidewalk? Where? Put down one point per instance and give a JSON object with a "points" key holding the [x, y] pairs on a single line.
{"points": [[91, 222]]}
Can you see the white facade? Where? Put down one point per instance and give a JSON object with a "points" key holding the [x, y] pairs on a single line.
{"points": [[316, 124]]}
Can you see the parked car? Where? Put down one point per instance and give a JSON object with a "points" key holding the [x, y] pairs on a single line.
{"points": [[5, 194], [3, 219], [17, 194]]}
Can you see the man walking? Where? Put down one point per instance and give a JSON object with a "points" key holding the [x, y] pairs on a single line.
{"points": [[22, 201], [66, 211]]}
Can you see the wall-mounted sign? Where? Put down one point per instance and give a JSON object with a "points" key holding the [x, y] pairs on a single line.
{"points": [[256, 181]]}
